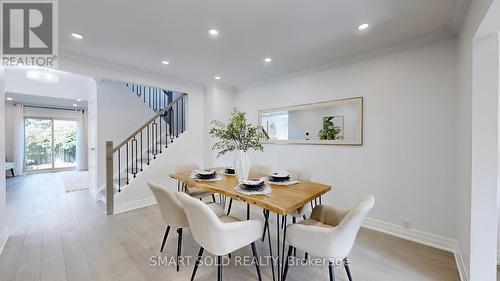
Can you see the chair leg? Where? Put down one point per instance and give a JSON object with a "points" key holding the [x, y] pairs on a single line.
{"points": [[165, 238], [256, 259], [248, 211], [213, 197], [179, 246], [265, 225], [230, 204], [347, 262], [12, 171], [266, 214], [197, 263], [331, 270], [219, 270], [285, 270]]}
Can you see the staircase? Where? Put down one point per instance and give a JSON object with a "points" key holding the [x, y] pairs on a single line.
{"points": [[125, 161], [155, 98]]}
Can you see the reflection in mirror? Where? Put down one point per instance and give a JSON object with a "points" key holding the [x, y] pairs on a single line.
{"points": [[333, 122]]}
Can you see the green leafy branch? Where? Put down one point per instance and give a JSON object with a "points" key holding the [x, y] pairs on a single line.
{"points": [[237, 134]]}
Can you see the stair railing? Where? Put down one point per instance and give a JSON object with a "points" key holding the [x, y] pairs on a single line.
{"points": [[131, 156], [154, 98]]}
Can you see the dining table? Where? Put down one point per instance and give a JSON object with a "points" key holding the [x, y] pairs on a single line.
{"points": [[282, 200]]}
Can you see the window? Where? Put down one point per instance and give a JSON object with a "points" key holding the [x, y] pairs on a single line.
{"points": [[49, 143]]}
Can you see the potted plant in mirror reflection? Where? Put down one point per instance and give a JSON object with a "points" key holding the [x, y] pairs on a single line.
{"points": [[330, 131], [240, 136]]}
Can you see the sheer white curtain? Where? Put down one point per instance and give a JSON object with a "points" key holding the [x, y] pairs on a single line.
{"points": [[81, 141], [19, 138]]}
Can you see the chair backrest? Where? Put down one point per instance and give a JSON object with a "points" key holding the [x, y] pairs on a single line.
{"points": [[204, 223], [301, 175], [350, 224], [186, 168], [171, 209], [260, 170]]}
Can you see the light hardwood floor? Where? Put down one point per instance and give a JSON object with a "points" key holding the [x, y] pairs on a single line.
{"points": [[66, 236]]}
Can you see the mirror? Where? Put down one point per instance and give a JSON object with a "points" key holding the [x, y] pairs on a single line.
{"points": [[332, 122]]}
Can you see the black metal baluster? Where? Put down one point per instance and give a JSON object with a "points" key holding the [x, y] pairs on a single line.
{"points": [[136, 158], [144, 95], [161, 148], [149, 97], [171, 120], [153, 137], [147, 136], [142, 154], [119, 171], [183, 116], [127, 162], [177, 119]]}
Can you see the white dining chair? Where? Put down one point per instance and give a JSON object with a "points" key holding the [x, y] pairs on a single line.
{"points": [[193, 191], [173, 214], [329, 233], [219, 235], [255, 171]]}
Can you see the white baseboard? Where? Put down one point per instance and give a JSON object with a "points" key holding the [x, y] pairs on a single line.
{"points": [[429, 239], [421, 237], [129, 206], [4, 236], [462, 271]]}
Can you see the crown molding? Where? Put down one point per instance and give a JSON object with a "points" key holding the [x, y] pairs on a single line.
{"points": [[458, 16], [384, 51], [124, 69]]}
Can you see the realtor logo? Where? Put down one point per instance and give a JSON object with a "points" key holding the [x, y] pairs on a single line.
{"points": [[29, 33]]}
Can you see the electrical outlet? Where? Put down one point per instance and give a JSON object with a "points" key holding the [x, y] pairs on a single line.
{"points": [[406, 224]]}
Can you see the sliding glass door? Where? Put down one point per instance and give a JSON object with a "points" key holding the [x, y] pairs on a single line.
{"points": [[49, 144]]}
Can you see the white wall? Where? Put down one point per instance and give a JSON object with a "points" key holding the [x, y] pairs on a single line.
{"points": [[484, 173], [476, 13], [119, 113], [3, 202], [408, 157], [218, 105], [188, 148]]}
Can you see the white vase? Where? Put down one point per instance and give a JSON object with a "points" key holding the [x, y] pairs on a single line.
{"points": [[241, 165]]}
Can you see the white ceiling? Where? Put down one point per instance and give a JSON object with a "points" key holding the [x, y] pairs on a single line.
{"points": [[70, 86], [297, 34], [32, 100]]}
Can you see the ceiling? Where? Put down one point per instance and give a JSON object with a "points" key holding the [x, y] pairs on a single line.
{"points": [[296, 34], [70, 87], [32, 100]]}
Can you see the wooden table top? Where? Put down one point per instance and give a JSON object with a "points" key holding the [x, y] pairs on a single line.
{"points": [[282, 200]]}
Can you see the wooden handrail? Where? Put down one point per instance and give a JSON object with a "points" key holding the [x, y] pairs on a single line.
{"points": [[168, 107]]}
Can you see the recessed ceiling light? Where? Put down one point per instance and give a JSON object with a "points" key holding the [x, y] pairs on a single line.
{"points": [[213, 32], [78, 100], [75, 105], [268, 60], [165, 62], [77, 36], [363, 26], [9, 99], [217, 77]]}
